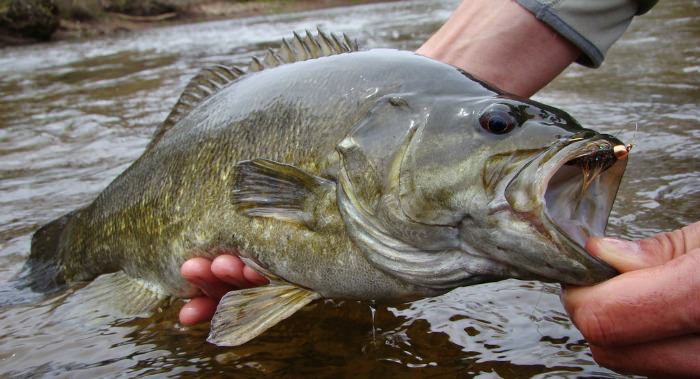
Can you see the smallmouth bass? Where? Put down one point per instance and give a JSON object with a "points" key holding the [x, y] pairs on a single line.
{"points": [[341, 173]]}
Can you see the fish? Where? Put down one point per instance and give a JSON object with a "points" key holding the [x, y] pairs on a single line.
{"points": [[340, 173]]}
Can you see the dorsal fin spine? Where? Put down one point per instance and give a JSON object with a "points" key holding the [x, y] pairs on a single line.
{"points": [[338, 42], [313, 45], [303, 45], [255, 65], [327, 45], [272, 59], [352, 45], [287, 50]]}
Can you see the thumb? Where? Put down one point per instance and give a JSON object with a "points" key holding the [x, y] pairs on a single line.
{"points": [[622, 255], [653, 251]]}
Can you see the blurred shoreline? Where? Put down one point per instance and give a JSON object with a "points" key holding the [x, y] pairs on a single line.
{"points": [[24, 22]]}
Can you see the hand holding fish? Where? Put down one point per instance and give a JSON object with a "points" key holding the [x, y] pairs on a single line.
{"points": [[646, 320], [214, 278]]}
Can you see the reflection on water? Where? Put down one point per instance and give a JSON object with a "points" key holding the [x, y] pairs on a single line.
{"points": [[75, 114]]}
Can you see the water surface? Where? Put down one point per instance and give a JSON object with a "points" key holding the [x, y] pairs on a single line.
{"points": [[73, 115]]}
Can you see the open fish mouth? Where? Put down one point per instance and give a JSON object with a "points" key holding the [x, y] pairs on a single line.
{"points": [[580, 186]]}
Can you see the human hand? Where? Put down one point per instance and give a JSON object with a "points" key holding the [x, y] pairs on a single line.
{"points": [[647, 319], [214, 278]]}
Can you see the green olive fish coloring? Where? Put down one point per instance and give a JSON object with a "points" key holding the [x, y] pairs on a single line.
{"points": [[338, 173]]}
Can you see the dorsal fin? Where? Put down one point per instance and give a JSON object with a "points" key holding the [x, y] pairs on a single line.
{"points": [[206, 83], [304, 47], [212, 79]]}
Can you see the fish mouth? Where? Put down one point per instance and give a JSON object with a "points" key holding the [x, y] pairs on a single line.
{"points": [[580, 186], [566, 193]]}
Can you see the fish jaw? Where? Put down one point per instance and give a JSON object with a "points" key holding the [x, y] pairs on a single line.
{"points": [[566, 194]]}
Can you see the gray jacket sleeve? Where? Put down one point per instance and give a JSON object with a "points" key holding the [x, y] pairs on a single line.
{"points": [[592, 25]]}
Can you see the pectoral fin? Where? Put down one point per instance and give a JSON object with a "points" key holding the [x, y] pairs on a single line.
{"points": [[264, 188], [118, 295], [243, 315]]}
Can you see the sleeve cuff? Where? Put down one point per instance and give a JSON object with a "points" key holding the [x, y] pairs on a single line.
{"points": [[591, 25]]}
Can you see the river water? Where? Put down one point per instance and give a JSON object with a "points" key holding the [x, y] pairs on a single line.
{"points": [[73, 115]]}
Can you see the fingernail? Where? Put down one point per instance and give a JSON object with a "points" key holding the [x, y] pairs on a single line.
{"points": [[623, 255], [618, 247]]}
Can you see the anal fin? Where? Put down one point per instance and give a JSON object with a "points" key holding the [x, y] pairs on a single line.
{"points": [[245, 314], [118, 295]]}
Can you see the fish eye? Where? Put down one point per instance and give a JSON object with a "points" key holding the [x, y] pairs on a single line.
{"points": [[498, 120]]}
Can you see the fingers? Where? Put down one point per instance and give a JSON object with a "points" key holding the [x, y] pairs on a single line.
{"points": [[634, 255], [673, 244], [253, 277], [646, 320], [214, 278], [199, 309], [675, 357], [198, 272], [640, 306], [231, 269], [225, 273]]}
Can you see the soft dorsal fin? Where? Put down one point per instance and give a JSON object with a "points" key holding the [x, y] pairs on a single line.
{"points": [[212, 79]]}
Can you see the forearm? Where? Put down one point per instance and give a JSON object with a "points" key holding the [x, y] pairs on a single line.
{"points": [[520, 46], [502, 43]]}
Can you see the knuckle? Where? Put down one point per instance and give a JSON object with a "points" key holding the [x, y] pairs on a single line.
{"points": [[661, 245], [668, 244]]}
